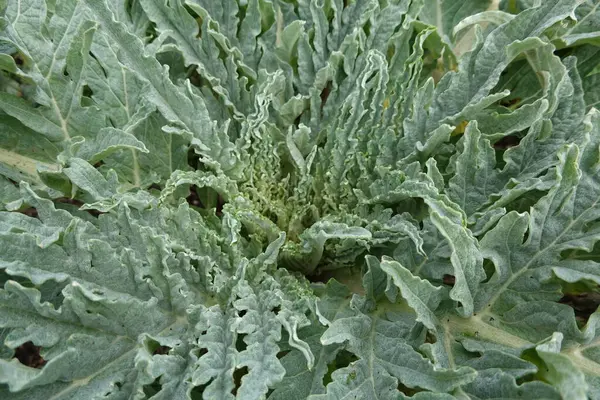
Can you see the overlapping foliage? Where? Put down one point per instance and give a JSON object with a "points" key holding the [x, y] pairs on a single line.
{"points": [[291, 199]]}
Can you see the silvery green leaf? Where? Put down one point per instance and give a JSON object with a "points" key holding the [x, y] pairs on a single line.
{"points": [[492, 16], [55, 48], [221, 184], [584, 27], [108, 141], [587, 66], [476, 177], [465, 257], [166, 153], [24, 151], [498, 382], [557, 211], [559, 369], [469, 90], [445, 15], [301, 381], [373, 338], [114, 288], [10, 195], [307, 254], [85, 176], [252, 199], [173, 20], [420, 295], [180, 105]]}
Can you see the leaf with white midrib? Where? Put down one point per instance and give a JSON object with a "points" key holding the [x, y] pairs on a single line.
{"points": [[180, 106], [551, 212], [177, 23]]}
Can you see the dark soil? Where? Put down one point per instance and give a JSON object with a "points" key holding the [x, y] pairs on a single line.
{"points": [[29, 354], [449, 280], [32, 212], [584, 304], [162, 350]]}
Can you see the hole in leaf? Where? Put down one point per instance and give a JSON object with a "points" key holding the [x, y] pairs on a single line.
{"points": [[297, 120], [507, 142], [220, 204], [242, 313], [272, 216], [198, 81], [367, 28], [98, 64], [151, 31], [238, 374], [282, 354], [242, 10], [240, 345], [526, 378], [449, 280], [430, 338], [87, 91], [325, 94], [116, 387], [244, 232], [51, 292], [20, 280], [407, 390], [193, 199], [30, 212], [153, 388], [193, 159], [577, 254], [205, 198], [342, 360], [155, 186], [489, 269], [349, 276], [161, 350], [29, 354], [584, 304], [511, 102], [155, 347], [198, 391], [77, 203], [193, 13]]}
